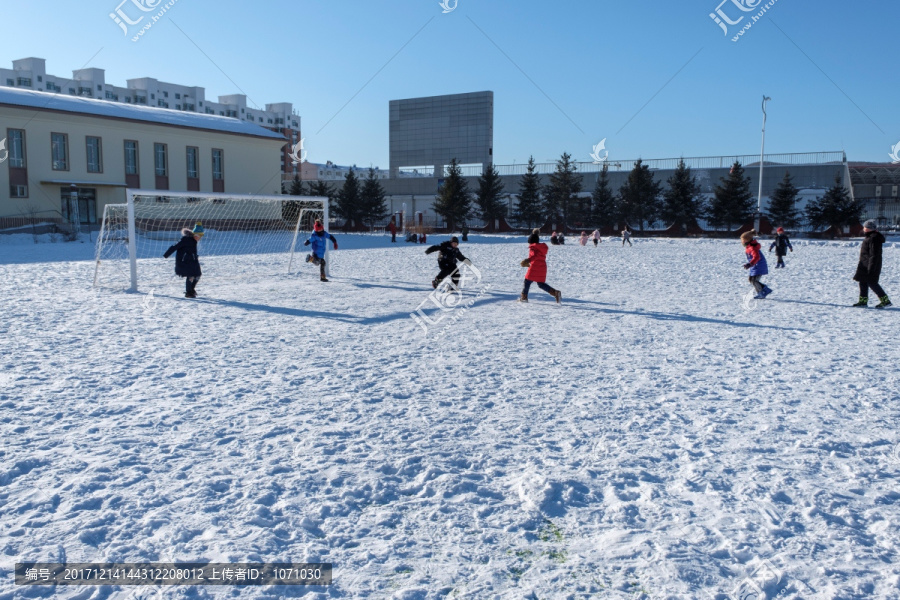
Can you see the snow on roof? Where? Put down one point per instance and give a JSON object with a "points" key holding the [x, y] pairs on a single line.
{"points": [[150, 114]]}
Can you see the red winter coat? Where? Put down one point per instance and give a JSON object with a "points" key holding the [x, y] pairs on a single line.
{"points": [[537, 256], [392, 228]]}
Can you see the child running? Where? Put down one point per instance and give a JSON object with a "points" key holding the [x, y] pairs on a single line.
{"points": [[781, 245], [756, 263], [583, 239], [626, 237], [319, 243], [868, 271], [187, 263], [537, 268], [448, 256], [596, 237]]}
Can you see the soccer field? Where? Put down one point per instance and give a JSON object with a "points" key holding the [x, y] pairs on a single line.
{"points": [[658, 435]]}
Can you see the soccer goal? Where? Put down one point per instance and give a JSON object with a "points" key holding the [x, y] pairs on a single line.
{"points": [[244, 236]]}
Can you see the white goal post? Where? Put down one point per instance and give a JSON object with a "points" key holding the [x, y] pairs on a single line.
{"points": [[244, 235]]}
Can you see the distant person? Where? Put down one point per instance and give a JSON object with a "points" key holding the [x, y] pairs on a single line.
{"points": [[465, 233], [187, 262], [868, 271], [554, 240], [422, 238], [626, 237], [596, 237], [537, 268], [756, 264], [583, 239], [781, 245], [319, 240], [392, 227], [412, 237], [448, 256], [561, 238]]}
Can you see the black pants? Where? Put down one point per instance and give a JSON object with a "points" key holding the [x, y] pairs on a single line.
{"points": [[190, 284], [321, 262], [540, 284], [780, 262], [626, 240], [394, 237], [864, 289], [757, 284], [595, 243], [445, 271]]}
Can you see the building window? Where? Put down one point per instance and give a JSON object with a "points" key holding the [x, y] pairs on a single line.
{"points": [[99, 89], [94, 155], [18, 191], [23, 81], [59, 150], [178, 96], [166, 94], [131, 157], [10, 83], [192, 162], [217, 164], [160, 160], [72, 91], [177, 107], [40, 79], [153, 96], [16, 148]]}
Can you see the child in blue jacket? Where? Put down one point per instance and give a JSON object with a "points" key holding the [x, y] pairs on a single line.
{"points": [[319, 242], [756, 264]]}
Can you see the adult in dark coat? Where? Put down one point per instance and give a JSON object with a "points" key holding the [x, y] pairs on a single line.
{"points": [[187, 262], [447, 260], [868, 271]]}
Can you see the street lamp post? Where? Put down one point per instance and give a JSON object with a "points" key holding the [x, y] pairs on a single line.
{"points": [[761, 155]]}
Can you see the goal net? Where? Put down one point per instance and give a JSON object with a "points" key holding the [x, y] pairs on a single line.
{"points": [[244, 236]]}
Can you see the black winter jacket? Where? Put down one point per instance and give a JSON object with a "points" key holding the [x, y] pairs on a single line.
{"points": [[448, 256], [869, 268], [187, 263]]}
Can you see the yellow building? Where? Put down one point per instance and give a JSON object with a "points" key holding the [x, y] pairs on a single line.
{"points": [[52, 145]]}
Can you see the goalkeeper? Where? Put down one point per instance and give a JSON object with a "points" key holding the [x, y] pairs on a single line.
{"points": [[187, 263], [319, 240], [448, 255]]}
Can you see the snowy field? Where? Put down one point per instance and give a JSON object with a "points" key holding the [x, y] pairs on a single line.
{"points": [[655, 436]]}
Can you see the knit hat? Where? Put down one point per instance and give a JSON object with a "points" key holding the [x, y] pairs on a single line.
{"points": [[317, 226], [747, 236], [870, 224], [198, 229], [454, 240], [535, 236], [779, 230]]}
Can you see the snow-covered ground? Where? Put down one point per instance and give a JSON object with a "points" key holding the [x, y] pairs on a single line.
{"points": [[656, 436]]}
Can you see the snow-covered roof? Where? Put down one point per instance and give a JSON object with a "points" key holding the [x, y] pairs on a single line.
{"points": [[119, 110]]}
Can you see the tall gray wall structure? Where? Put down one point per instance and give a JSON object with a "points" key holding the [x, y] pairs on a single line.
{"points": [[429, 132]]}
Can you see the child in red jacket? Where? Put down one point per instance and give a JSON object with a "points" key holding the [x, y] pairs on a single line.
{"points": [[537, 268]]}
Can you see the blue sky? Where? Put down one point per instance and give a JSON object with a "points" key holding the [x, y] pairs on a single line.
{"points": [[656, 79]]}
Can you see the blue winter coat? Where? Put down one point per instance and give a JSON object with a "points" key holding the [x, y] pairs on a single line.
{"points": [[319, 241], [756, 259]]}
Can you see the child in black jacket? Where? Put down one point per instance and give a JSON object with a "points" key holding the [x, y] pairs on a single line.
{"points": [[447, 259], [187, 263], [781, 245]]}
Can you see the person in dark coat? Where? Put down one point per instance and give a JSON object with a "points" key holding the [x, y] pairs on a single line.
{"points": [[448, 257], [187, 262], [756, 264], [319, 241], [868, 271], [537, 268], [781, 245], [554, 241]]}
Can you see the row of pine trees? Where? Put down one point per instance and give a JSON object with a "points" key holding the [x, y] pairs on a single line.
{"points": [[641, 201]]}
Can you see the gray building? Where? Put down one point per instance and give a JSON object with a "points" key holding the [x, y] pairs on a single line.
{"points": [[427, 133]]}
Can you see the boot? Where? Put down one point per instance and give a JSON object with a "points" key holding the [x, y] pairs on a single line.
{"points": [[523, 297], [885, 302], [766, 291], [309, 258], [434, 283], [556, 294], [863, 302]]}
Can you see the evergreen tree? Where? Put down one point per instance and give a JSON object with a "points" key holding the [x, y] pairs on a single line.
{"points": [[296, 186], [562, 190], [530, 209], [782, 205], [321, 189], [349, 201], [682, 201], [604, 209], [639, 196], [372, 199], [490, 188], [454, 201], [835, 209], [733, 201]]}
